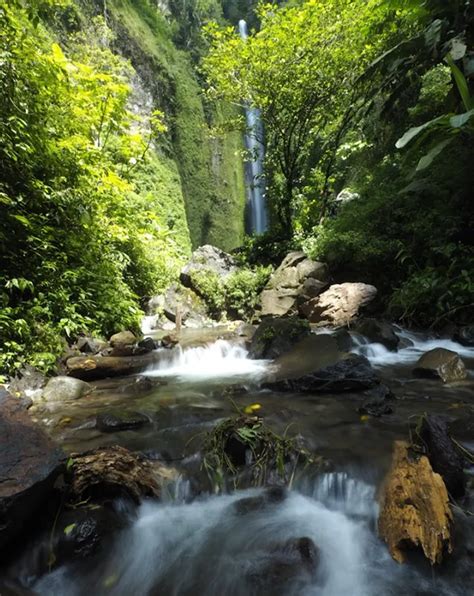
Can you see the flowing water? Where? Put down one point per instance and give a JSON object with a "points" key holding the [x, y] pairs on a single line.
{"points": [[198, 544], [255, 182]]}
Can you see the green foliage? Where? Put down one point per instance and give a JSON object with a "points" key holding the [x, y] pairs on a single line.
{"points": [[236, 295], [81, 233]]}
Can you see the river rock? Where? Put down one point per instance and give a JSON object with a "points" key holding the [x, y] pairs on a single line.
{"points": [[65, 389], [379, 402], [287, 283], [415, 510], [269, 497], [29, 465], [111, 422], [277, 335], [91, 345], [441, 363], [339, 305], [351, 373], [112, 472], [148, 344], [445, 459], [465, 336], [379, 332], [207, 258]]}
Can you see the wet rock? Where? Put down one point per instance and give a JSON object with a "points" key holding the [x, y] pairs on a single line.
{"points": [[343, 339], [138, 385], [352, 373], [285, 563], [415, 510], [378, 404], [287, 283], [100, 367], [207, 258], [465, 336], [111, 422], [148, 344], [29, 465], [271, 496], [112, 472], [123, 339], [312, 353], [27, 380], [91, 345], [379, 332], [441, 363], [277, 335], [340, 304], [65, 389], [80, 533], [445, 459]]}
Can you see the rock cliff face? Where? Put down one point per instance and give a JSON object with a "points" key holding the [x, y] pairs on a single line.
{"points": [[211, 177]]}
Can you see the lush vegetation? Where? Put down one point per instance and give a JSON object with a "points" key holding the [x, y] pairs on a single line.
{"points": [[374, 97], [84, 230]]}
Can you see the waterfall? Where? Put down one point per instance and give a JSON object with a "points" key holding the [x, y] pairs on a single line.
{"points": [[258, 220]]}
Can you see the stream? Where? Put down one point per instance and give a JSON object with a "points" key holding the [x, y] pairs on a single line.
{"points": [[194, 543]]}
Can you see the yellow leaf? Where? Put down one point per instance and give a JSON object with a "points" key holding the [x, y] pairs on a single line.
{"points": [[364, 418], [252, 408]]}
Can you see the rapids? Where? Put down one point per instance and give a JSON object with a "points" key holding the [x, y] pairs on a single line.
{"points": [[195, 544]]}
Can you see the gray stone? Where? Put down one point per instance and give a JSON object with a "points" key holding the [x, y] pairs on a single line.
{"points": [[207, 258], [339, 305], [65, 389], [441, 363], [110, 422], [90, 345], [184, 301], [465, 336], [378, 332], [287, 283]]}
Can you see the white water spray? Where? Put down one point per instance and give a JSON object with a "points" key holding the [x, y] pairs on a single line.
{"points": [[254, 167], [221, 360]]}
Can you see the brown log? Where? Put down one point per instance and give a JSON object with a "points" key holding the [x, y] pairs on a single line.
{"points": [[415, 511], [90, 368]]}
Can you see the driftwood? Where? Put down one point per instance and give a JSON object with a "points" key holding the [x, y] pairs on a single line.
{"points": [[112, 472], [90, 368], [415, 511]]}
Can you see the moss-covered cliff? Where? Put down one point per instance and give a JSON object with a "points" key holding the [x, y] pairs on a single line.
{"points": [[211, 170]]}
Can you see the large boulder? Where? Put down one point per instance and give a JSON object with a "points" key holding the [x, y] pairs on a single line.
{"points": [[277, 335], [415, 510], [65, 389], [91, 345], [339, 305], [287, 283], [29, 465], [124, 343], [351, 373], [183, 301], [206, 258], [441, 363], [379, 332]]}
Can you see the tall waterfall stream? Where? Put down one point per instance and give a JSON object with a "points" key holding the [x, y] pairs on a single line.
{"points": [[193, 543]]}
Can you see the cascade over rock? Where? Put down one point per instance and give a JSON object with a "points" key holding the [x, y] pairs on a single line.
{"points": [[277, 335]]}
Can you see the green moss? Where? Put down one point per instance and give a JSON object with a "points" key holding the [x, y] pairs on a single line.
{"points": [[211, 170]]}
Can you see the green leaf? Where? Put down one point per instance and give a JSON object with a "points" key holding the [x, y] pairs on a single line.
{"points": [[69, 464], [68, 529], [461, 119], [461, 84], [414, 132], [428, 159]]}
